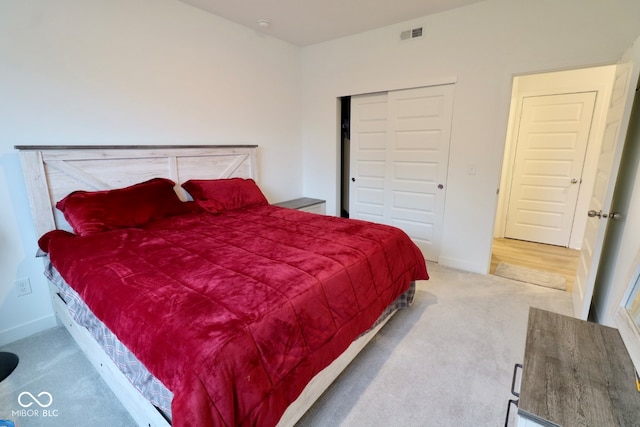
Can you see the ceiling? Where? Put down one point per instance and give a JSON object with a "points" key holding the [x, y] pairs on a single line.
{"points": [[305, 22]]}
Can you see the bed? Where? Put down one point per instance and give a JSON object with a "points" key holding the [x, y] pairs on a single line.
{"points": [[235, 311]]}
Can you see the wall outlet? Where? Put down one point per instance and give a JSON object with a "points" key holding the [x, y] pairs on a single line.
{"points": [[23, 287]]}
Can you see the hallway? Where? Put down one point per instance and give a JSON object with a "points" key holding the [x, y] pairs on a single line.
{"points": [[538, 256]]}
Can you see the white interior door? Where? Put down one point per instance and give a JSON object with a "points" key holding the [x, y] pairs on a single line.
{"points": [[615, 133], [417, 163], [368, 151], [399, 160], [551, 146]]}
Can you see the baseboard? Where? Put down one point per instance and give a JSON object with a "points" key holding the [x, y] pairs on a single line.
{"points": [[463, 265], [27, 329]]}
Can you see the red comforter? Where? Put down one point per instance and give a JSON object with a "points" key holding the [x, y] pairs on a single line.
{"points": [[236, 312]]}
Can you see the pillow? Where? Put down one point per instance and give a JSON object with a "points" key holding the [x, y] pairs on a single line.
{"points": [[43, 241], [217, 195], [96, 211]]}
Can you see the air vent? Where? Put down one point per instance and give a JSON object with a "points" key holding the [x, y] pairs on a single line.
{"points": [[411, 34]]}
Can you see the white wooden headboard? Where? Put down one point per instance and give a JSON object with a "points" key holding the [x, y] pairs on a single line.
{"points": [[52, 172]]}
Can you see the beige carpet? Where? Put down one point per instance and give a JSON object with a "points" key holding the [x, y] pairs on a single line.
{"points": [[445, 362], [528, 275]]}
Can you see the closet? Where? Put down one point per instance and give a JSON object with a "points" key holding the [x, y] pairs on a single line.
{"points": [[398, 161]]}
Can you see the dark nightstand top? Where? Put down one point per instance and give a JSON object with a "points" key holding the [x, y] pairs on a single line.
{"points": [[576, 373], [299, 203]]}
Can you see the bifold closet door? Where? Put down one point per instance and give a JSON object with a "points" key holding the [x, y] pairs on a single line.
{"points": [[399, 159]]}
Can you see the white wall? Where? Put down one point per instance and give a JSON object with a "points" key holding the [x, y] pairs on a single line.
{"points": [[482, 46], [131, 72], [594, 79], [162, 72]]}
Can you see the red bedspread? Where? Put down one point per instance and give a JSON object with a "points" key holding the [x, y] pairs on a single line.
{"points": [[236, 312]]}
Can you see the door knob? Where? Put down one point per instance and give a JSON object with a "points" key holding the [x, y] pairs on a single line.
{"points": [[353, 180], [593, 214], [574, 181], [615, 216]]}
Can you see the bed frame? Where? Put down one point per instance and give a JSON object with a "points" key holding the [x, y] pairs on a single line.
{"points": [[52, 172]]}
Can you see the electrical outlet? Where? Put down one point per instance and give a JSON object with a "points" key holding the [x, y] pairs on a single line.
{"points": [[23, 286]]}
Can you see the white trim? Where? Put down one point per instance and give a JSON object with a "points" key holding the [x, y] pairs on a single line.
{"points": [[460, 264], [27, 329], [449, 80]]}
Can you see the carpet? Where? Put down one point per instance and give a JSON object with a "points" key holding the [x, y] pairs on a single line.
{"points": [[529, 275], [446, 361]]}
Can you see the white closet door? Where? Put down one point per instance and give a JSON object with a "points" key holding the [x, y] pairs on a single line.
{"points": [[399, 160], [417, 162], [368, 157]]}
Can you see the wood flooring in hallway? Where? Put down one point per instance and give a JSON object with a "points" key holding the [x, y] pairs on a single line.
{"points": [[538, 256]]}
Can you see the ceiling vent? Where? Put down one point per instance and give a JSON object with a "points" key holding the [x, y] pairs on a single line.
{"points": [[411, 34]]}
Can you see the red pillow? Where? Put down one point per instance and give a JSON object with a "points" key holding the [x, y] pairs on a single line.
{"points": [[43, 241], [217, 195], [94, 211]]}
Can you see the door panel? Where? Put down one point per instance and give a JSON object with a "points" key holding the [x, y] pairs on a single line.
{"points": [[551, 147], [419, 135], [397, 182], [626, 78], [368, 154]]}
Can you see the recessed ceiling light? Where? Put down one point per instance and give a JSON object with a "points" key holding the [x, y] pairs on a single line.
{"points": [[264, 23]]}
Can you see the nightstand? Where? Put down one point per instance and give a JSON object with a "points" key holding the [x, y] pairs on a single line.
{"points": [[306, 204], [575, 373]]}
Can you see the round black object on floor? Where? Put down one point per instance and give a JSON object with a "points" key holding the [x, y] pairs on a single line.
{"points": [[8, 362]]}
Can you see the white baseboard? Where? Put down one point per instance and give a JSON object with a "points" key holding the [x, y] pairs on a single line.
{"points": [[463, 265], [27, 329]]}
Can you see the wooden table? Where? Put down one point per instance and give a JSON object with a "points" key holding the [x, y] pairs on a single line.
{"points": [[576, 373]]}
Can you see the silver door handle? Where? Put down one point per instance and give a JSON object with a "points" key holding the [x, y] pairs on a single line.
{"points": [[574, 181], [593, 214], [615, 216]]}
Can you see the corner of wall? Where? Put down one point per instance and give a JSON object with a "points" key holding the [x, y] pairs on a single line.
{"points": [[460, 264]]}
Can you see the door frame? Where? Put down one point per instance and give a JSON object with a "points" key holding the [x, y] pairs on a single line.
{"points": [[597, 79]]}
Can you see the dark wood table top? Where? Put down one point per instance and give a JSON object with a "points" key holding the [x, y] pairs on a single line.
{"points": [[576, 373]]}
